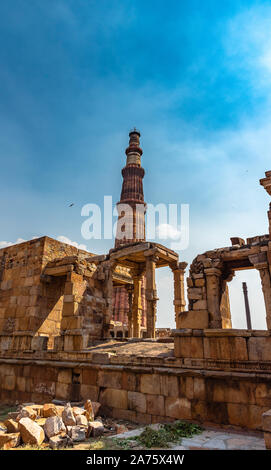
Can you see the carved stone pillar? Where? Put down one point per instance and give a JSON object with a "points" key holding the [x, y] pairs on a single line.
{"points": [[179, 300], [106, 275], [130, 291], [260, 263], [213, 288], [151, 295], [137, 306]]}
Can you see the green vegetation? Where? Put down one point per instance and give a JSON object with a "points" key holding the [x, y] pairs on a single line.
{"points": [[162, 437]]}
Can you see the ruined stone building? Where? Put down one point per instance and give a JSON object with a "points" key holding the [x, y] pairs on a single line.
{"points": [[56, 323]]}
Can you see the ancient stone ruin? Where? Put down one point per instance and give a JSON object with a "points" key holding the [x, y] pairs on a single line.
{"points": [[61, 309]]}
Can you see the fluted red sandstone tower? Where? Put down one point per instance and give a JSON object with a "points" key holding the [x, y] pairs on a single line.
{"points": [[131, 194]]}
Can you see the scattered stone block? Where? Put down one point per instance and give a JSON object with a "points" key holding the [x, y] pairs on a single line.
{"points": [[95, 429], [11, 425], [31, 432], [53, 426], [9, 441], [81, 420], [49, 409], [77, 411], [78, 433], [27, 412], [13, 414], [68, 416], [60, 441]]}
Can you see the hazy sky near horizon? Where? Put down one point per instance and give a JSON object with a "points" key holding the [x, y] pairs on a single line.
{"points": [[193, 76]]}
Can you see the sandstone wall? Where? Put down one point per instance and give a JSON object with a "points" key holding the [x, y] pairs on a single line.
{"points": [[143, 394], [31, 303]]}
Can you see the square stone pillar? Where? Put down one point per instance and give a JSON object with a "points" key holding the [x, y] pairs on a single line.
{"points": [[130, 290], [136, 306], [72, 321], [261, 264], [213, 290], [179, 299], [151, 295]]}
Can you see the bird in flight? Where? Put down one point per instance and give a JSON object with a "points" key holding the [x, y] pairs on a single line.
{"points": [[72, 204]]}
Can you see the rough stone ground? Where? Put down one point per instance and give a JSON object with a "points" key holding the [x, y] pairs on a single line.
{"points": [[210, 439], [213, 439], [134, 348]]}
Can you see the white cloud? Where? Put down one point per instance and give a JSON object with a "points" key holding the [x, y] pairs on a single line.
{"points": [[167, 231], [4, 244], [63, 239]]}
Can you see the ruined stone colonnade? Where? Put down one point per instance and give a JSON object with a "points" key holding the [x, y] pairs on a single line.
{"points": [[142, 259]]}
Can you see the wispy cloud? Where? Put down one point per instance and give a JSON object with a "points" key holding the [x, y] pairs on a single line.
{"points": [[63, 239]]}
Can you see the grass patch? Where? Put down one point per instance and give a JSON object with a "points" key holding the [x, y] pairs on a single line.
{"points": [[168, 433]]}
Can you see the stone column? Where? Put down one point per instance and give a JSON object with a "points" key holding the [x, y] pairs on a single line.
{"points": [[261, 264], [213, 288], [106, 275], [151, 295], [179, 300], [130, 290], [137, 306]]}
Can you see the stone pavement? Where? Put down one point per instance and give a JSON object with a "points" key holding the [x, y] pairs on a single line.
{"points": [[212, 439], [221, 440]]}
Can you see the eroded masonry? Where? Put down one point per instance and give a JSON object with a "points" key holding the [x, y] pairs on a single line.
{"points": [[61, 310]]}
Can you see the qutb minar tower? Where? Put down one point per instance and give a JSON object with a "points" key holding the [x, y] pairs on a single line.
{"points": [[131, 194]]}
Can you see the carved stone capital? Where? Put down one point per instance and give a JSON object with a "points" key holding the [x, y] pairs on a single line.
{"points": [[259, 259], [213, 272]]}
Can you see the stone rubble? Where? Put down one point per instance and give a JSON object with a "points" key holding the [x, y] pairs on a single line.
{"points": [[50, 424]]}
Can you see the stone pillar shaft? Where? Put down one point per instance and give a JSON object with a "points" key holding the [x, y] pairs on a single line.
{"points": [[151, 296], [213, 277], [137, 307], [179, 298], [130, 311], [266, 287]]}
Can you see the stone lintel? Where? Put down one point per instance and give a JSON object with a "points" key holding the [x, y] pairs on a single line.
{"points": [[59, 270]]}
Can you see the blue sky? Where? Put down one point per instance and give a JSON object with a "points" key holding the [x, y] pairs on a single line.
{"points": [[193, 76]]}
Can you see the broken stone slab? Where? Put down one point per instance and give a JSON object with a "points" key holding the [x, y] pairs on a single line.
{"points": [[11, 425], [68, 416], [53, 426], [38, 409], [59, 442], [13, 414], [77, 433], [27, 412], [9, 441], [49, 409], [78, 411], [95, 429], [81, 420], [31, 432]]}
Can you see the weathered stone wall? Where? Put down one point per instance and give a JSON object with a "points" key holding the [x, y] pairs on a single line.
{"points": [[34, 304], [209, 275], [143, 394]]}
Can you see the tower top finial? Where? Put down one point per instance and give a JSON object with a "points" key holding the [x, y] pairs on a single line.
{"points": [[134, 150], [134, 131]]}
